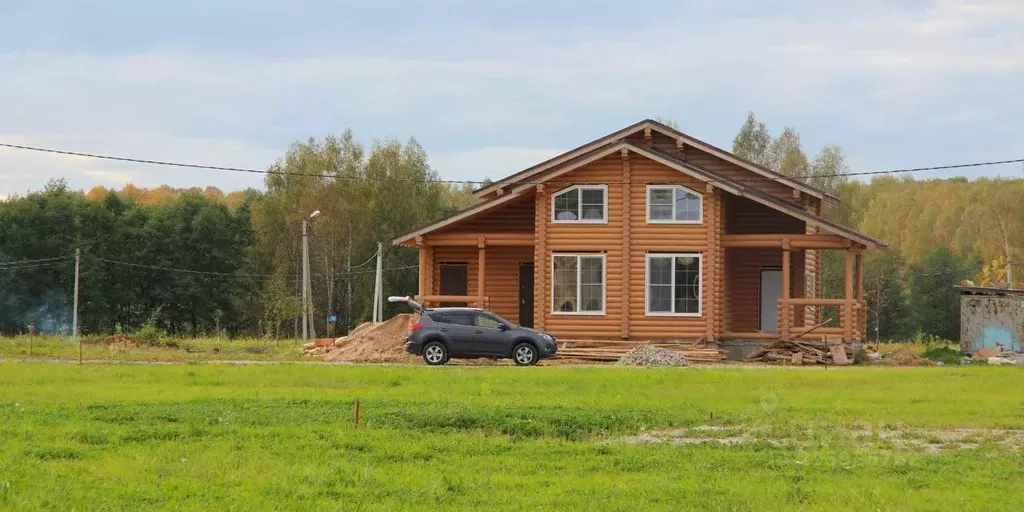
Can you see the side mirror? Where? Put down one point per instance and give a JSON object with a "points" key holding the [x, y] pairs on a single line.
{"points": [[503, 327]]}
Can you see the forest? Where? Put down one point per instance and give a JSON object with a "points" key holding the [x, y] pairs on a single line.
{"points": [[200, 261]]}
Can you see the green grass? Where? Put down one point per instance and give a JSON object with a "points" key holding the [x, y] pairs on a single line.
{"points": [[178, 350], [131, 437]]}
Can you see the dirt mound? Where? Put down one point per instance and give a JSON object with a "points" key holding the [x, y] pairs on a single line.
{"points": [[374, 342], [653, 357], [121, 339], [904, 357]]}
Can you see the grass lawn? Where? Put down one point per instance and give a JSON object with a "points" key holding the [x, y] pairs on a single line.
{"points": [[280, 437], [176, 350]]}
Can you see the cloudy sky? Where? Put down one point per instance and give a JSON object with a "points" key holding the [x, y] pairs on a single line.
{"points": [[489, 89]]}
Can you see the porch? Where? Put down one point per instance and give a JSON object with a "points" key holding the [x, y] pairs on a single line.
{"points": [[493, 271], [789, 303]]}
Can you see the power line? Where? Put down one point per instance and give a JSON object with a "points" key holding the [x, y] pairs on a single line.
{"points": [[183, 270], [40, 260], [460, 182], [31, 266], [236, 274]]}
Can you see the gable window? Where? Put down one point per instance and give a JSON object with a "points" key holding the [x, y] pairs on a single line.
{"points": [[673, 284], [581, 203], [674, 204], [577, 284]]}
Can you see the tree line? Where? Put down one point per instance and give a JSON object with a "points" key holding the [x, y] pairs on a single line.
{"points": [[199, 262]]}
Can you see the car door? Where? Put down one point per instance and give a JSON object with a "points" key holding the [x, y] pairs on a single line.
{"points": [[461, 333], [492, 335]]}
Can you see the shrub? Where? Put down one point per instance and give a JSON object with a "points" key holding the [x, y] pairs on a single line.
{"points": [[944, 354]]}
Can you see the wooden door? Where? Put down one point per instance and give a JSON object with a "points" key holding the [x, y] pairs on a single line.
{"points": [[454, 281], [526, 294]]}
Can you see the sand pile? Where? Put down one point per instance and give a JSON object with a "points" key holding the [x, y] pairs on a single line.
{"points": [[904, 357], [374, 342]]}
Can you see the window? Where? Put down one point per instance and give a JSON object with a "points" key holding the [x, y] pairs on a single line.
{"points": [[581, 203], [673, 284], [484, 320], [577, 284], [458, 317], [674, 204]]}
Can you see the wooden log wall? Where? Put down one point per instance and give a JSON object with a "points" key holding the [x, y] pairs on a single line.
{"points": [[501, 274], [517, 216], [750, 217], [606, 239], [714, 164], [742, 275]]}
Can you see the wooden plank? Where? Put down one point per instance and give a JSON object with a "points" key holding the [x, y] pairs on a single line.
{"points": [[838, 352], [470, 238]]}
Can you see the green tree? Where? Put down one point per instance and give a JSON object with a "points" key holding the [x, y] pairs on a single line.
{"points": [[884, 295], [934, 303], [752, 141]]}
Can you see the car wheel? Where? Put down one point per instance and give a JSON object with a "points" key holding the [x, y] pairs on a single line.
{"points": [[524, 354], [435, 353]]}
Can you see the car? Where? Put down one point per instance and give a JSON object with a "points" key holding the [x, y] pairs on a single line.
{"points": [[459, 332]]}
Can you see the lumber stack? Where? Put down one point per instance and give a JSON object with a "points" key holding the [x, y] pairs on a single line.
{"points": [[600, 350], [803, 353]]}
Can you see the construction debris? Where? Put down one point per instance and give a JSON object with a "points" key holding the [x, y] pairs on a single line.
{"points": [[602, 350], [804, 353], [653, 357]]}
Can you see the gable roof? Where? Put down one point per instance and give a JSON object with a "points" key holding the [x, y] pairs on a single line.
{"points": [[664, 130], [729, 185]]}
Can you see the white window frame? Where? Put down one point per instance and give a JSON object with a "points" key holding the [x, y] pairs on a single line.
{"points": [[579, 211], [579, 283], [700, 285], [673, 219]]}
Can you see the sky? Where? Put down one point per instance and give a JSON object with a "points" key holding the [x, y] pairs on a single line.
{"points": [[489, 88]]}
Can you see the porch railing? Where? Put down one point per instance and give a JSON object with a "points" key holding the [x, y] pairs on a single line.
{"points": [[851, 317]]}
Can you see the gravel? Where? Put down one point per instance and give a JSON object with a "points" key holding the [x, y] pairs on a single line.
{"points": [[653, 357]]}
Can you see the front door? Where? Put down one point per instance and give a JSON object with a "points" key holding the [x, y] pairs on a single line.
{"points": [[770, 291], [526, 294], [454, 281]]}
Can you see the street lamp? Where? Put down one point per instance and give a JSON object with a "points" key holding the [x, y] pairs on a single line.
{"points": [[307, 294]]}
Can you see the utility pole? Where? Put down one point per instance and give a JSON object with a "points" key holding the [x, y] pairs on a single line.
{"points": [[348, 275], [377, 285], [1009, 259], [307, 294], [305, 282], [74, 314]]}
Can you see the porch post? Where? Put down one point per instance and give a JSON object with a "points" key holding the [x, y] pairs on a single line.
{"points": [[540, 258], [481, 266], [847, 315], [626, 214], [862, 312], [784, 312], [423, 268]]}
